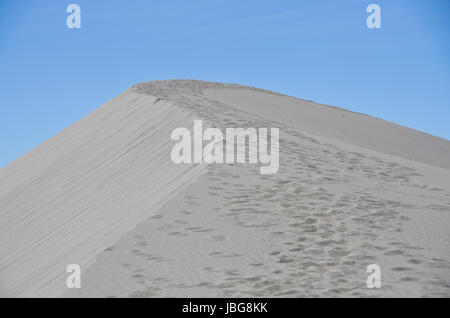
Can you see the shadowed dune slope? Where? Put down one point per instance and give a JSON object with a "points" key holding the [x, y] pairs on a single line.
{"points": [[72, 196]]}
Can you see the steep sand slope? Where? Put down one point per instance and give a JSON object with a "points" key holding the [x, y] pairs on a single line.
{"points": [[69, 198], [310, 230], [105, 194]]}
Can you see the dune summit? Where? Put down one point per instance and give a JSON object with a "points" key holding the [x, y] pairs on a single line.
{"points": [[351, 190]]}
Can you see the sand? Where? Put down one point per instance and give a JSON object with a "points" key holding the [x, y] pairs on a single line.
{"points": [[352, 190]]}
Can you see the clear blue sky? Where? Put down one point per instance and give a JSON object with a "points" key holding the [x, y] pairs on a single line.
{"points": [[51, 76]]}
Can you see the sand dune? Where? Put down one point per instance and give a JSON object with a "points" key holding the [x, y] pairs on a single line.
{"points": [[352, 190]]}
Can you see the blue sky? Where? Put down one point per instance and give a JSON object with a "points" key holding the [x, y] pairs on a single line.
{"points": [[51, 76]]}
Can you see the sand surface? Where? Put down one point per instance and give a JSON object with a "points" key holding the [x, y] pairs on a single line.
{"points": [[352, 190]]}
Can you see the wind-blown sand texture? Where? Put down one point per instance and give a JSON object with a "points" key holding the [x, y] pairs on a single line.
{"points": [[352, 190]]}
